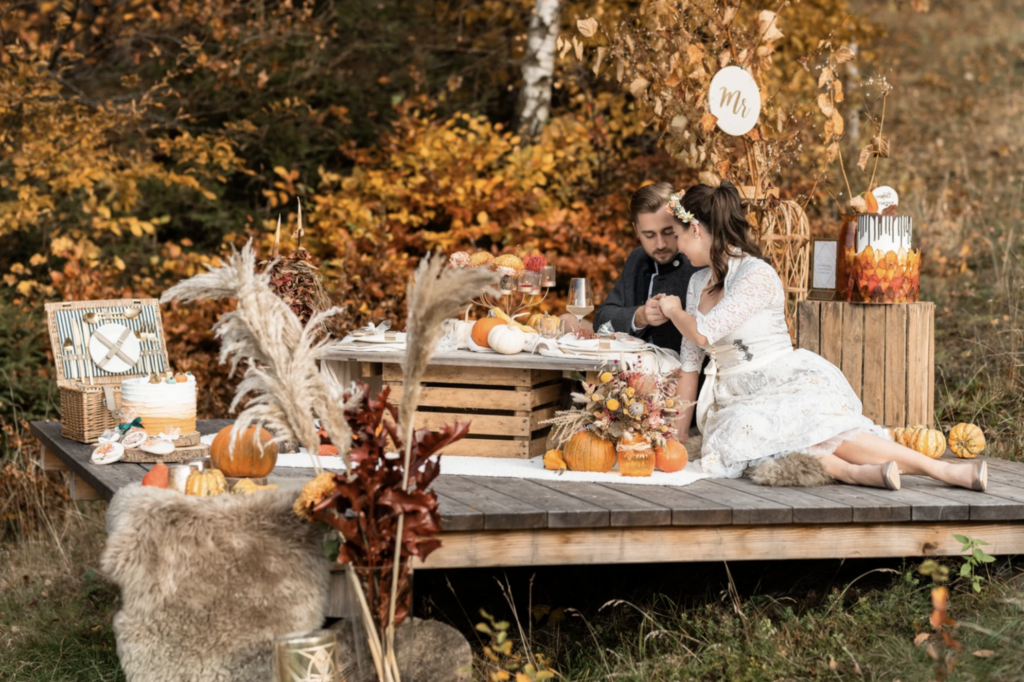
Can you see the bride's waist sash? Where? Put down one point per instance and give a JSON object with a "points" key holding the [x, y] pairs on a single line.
{"points": [[728, 361]]}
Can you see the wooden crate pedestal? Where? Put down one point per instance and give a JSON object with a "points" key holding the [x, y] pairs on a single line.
{"points": [[505, 406], [887, 353]]}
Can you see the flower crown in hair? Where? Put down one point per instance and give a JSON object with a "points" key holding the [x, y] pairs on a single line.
{"points": [[675, 207]]}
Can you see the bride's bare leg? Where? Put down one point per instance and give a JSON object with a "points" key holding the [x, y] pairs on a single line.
{"points": [[873, 475], [868, 448]]}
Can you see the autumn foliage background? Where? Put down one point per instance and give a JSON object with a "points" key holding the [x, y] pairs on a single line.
{"points": [[140, 141]]}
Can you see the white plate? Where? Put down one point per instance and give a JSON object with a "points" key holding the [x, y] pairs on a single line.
{"points": [[98, 350], [377, 338]]}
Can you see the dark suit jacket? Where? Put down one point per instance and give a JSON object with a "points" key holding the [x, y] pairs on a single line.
{"points": [[630, 293]]}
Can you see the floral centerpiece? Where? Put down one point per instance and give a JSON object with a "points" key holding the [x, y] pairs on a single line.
{"points": [[522, 277], [635, 410]]}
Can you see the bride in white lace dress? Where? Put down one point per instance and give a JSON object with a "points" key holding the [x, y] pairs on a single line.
{"points": [[762, 399]]}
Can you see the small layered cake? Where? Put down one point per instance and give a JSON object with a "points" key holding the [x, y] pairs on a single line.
{"points": [[162, 402]]}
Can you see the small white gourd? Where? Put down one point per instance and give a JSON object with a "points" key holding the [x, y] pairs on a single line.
{"points": [[506, 339]]}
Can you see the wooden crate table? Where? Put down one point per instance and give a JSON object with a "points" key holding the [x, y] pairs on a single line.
{"points": [[886, 351], [506, 397]]}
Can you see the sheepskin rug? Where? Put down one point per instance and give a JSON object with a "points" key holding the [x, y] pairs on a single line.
{"points": [[208, 582]]}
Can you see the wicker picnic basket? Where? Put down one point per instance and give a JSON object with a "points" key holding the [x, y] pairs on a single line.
{"points": [[89, 393]]}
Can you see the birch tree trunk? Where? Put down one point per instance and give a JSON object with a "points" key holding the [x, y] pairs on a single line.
{"points": [[538, 67]]}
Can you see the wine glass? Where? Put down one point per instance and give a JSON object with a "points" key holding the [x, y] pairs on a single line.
{"points": [[581, 298]]}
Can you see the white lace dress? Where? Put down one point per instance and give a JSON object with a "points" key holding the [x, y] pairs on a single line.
{"points": [[761, 398]]}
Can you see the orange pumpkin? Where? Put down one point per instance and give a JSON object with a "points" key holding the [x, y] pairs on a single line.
{"points": [[247, 460], [966, 440], [554, 460], [929, 442], [587, 452], [157, 476], [482, 328], [671, 456]]}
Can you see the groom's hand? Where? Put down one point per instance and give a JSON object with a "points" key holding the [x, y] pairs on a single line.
{"points": [[669, 305], [651, 314]]}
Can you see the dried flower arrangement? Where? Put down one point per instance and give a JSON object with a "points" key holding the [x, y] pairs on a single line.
{"points": [[280, 355], [297, 280], [621, 404]]}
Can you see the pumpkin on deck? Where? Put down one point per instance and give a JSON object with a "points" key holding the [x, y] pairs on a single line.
{"points": [[587, 452], [671, 457], [929, 442], [205, 483], [966, 440], [249, 459]]}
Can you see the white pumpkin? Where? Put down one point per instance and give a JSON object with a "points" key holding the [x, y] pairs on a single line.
{"points": [[462, 331], [506, 339]]}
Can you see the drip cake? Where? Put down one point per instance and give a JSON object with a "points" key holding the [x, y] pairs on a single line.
{"points": [[879, 264], [163, 402]]}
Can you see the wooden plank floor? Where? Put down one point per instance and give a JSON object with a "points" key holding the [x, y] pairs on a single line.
{"points": [[496, 521]]}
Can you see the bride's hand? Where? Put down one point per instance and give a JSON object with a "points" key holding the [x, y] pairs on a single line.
{"points": [[670, 305]]}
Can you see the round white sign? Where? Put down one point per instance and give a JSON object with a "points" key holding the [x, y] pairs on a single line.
{"points": [[735, 99], [886, 197]]}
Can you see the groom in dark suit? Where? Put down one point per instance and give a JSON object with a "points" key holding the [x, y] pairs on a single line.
{"points": [[655, 268]]}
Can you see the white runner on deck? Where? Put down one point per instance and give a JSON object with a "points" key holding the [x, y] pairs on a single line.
{"points": [[534, 468], [501, 467]]}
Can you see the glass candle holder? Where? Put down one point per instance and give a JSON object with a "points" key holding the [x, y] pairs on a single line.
{"points": [[547, 276], [507, 285], [551, 327]]}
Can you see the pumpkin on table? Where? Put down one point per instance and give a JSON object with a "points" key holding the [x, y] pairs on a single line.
{"points": [[157, 476], [247, 486], [929, 442], [483, 328], [250, 458], [588, 452], [966, 440], [206, 483], [506, 339]]}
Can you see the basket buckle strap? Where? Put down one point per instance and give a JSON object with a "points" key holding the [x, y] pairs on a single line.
{"points": [[109, 401], [115, 348]]}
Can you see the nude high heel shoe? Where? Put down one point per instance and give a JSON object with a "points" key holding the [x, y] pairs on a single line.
{"points": [[980, 480], [891, 476]]}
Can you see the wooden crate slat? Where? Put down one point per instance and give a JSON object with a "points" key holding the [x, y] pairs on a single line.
{"points": [[874, 363], [467, 398], [853, 347], [447, 374], [546, 395], [541, 415], [831, 335], [808, 326], [542, 376], [895, 410], [481, 424], [930, 374], [917, 400], [492, 447]]}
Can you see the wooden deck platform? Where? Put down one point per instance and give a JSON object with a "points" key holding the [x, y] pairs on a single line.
{"points": [[510, 522]]}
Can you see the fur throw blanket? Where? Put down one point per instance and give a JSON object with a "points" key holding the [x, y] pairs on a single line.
{"points": [[208, 582], [795, 470]]}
